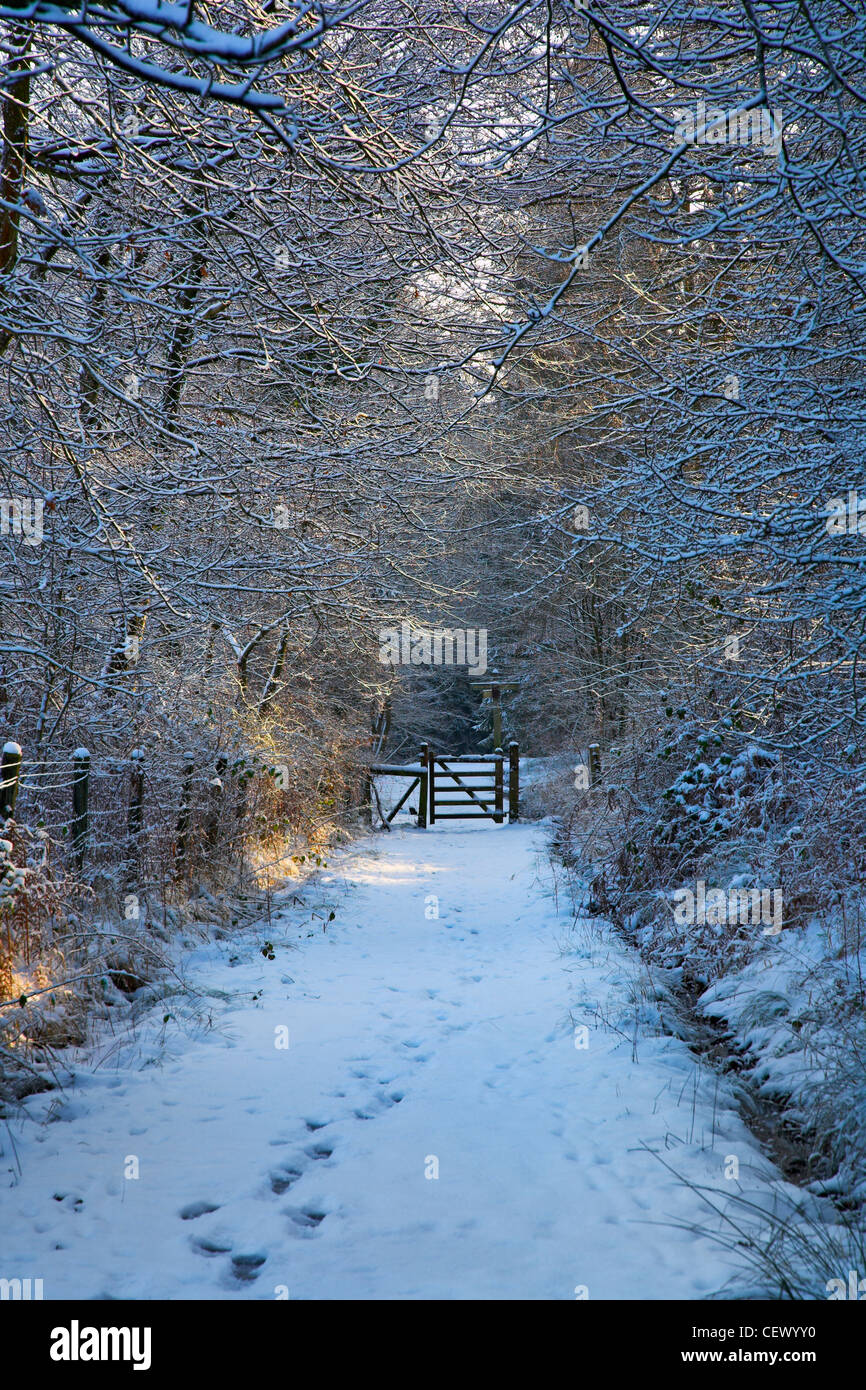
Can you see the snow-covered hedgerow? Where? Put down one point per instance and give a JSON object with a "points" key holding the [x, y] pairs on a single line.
{"points": [[739, 875], [43, 985], [30, 899], [710, 800]]}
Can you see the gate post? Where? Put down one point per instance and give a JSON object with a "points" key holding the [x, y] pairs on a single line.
{"points": [[431, 783], [513, 781], [498, 788], [422, 788]]}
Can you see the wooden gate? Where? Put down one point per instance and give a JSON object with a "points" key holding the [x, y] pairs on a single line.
{"points": [[470, 786], [467, 788]]}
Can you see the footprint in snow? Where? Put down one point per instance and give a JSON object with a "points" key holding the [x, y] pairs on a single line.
{"points": [[75, 1203], [388, 1098], [193, 1210], [282, 1178], [246, 1266], [319, 1151], [307, 1218], [211, 1245]]}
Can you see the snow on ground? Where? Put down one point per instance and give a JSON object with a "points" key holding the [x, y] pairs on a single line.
{"points": [[417, 1043]]}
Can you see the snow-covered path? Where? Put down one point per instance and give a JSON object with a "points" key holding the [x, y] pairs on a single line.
{"points": [[418, 1044]]}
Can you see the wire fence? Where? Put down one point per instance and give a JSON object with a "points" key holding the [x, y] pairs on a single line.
{"points": [[135, 824]]}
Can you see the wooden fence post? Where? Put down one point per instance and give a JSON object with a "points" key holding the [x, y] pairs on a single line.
{"points": [[594, 764], [80, 802], [498, 788], [423, 792], [513, 781], [135, 818], [431, 785], [215, 796], [10, 775], [184, 816]]}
